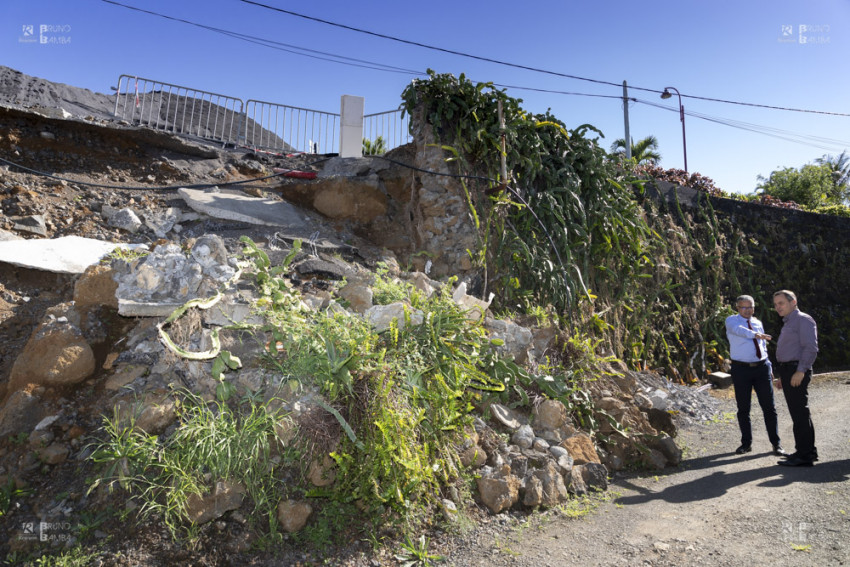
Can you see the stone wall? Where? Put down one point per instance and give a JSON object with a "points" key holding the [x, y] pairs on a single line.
{"points": [[409, 201], [443, 226], [805, 252]]}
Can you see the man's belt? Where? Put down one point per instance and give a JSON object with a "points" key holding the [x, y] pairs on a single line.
{"points": [[789, 363], [751, 364]]}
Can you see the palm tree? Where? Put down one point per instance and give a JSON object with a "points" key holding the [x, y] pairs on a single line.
{"points": [[645, 151], [840, 166]]}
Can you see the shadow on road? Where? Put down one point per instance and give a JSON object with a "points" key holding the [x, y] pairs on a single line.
{"points": [[719, 482]]}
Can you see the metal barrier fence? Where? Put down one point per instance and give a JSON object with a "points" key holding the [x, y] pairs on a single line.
{"points": [[278, 127], [391, 127], [178, 109], [256, 124]]}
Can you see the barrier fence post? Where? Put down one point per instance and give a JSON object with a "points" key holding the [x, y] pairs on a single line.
{"points": [[351, 126]]}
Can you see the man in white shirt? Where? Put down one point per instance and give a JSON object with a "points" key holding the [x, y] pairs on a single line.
{"points": [[751, 370]]}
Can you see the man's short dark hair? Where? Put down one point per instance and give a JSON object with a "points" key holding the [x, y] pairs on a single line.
{"points": [[789, 295]]}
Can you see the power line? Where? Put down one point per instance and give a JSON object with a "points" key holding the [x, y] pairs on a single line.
{"points": [[296, 50], [828, 144], [813, 141], [561, 92], [525, 67], [280, 46], [441, 49]]}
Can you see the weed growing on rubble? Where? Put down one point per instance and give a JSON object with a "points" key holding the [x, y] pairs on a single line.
{"points": [[212, 443], [75, 557], [402, 397], [385, 290], [124, 254], [415, 554], [8, 492]]}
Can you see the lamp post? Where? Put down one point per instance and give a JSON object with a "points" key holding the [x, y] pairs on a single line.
{"points": [[665, 95]]}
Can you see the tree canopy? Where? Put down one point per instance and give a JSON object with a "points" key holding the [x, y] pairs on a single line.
{"points": [[811, 186], [840, 166]]}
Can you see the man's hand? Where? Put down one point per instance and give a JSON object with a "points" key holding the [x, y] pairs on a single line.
{"points": [[763, 336], [777, 383], [797, 378]]}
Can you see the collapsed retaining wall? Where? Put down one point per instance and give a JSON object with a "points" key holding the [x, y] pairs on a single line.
{"points": [[409, 201]]}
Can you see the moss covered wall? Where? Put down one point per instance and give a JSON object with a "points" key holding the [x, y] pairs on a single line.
{"points": [[807, 253]]}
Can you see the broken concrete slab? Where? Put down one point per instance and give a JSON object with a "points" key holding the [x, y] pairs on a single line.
{"points": [[130, 308], [6, 236], [65, 255], [242, 208], [167, 278]]}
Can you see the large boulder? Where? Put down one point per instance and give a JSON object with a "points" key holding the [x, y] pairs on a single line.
{"points": [[581, 449], [499, 490], [56, 354], [595, 476], [551, 415], [339, 195], [545, 487]]}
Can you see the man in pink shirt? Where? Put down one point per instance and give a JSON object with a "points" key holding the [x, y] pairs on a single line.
{"points": [[796, 350]]}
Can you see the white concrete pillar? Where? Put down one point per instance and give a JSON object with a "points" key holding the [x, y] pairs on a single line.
{"points": [[351, 126]]}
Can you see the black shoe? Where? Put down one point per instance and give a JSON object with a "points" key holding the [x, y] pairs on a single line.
{"points": [[779, 451], [743, 449], [797, 456], [796, 462]]}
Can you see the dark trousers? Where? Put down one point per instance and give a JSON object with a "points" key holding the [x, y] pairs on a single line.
{"points": [[798, 406], [746, 379]]}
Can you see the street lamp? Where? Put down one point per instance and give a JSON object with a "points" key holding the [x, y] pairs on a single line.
{"points": [[665, 95]]}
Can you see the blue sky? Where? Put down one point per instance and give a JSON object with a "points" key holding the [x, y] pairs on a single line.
{"points": [[779, 53]]}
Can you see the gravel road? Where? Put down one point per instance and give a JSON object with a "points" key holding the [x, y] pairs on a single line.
{"points": [[717, 509]]}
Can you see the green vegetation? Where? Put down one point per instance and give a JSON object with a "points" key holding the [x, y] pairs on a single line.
{"points": [[374, 147], [415, 554], [125, 254], [213, 442], [810, 186], [394, 405], [575, 233], [8, 492], [840, 167], [644, 151], [76, 557]]}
